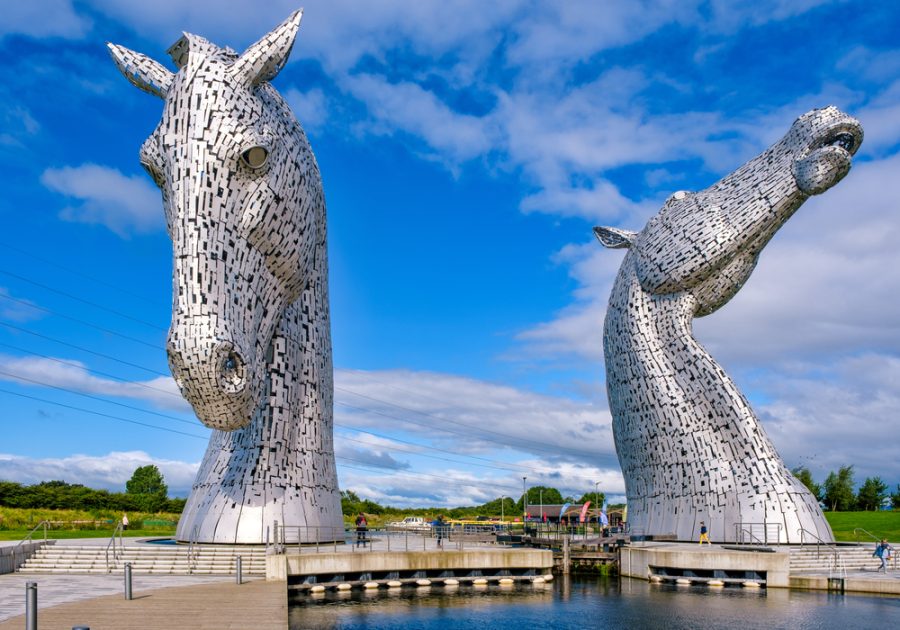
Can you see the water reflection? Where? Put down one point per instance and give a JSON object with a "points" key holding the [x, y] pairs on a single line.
{"points": [[590, 603]]}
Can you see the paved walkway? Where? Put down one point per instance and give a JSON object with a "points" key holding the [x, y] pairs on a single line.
{"points": [[59, 589], [187, 602]]}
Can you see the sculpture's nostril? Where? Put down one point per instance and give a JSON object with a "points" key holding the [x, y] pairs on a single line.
{"points": [[844, 140], [232, 371]]}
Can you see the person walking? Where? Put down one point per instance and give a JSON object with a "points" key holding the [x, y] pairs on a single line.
{"points": [[439, 530], [883, 553], [704, 534], [362, 525], [124, 522]]}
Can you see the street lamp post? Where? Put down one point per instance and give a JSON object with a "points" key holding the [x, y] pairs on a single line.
{"points": [[502, 497], [524, 500], [597, 501]]}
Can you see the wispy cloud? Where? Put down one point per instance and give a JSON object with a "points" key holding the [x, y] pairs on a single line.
{"points": [[74, 375], [126, 204], [17, 309]]}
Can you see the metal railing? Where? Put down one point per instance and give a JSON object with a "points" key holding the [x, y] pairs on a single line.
{"points": [[757, 533], [837, 564], [19, 549], [30, 536], [193, 553], [305, 539], [117, 550]]}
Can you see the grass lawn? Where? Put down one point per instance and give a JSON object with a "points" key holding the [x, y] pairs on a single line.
{"points": [[880, 524], [59, 534]]}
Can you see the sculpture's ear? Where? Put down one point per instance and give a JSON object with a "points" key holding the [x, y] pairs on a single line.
{"points": [[265, 59], [614, 238], [147, 74]]}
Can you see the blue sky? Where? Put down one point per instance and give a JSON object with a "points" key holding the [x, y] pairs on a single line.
{"points": [[467, 148]]}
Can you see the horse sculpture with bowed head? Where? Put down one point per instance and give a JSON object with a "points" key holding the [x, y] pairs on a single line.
{"points": [[690, 446], [250, 340]]}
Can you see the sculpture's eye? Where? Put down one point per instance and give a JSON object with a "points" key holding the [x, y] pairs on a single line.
{"points": [[844, 140], [255, 157]]}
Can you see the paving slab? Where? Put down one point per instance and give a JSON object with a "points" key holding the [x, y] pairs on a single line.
{"points": [[58, 589], [211, 605]]}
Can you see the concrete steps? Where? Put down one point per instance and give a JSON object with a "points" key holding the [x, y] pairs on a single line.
{"points": [[808, 559], [147, 560]]}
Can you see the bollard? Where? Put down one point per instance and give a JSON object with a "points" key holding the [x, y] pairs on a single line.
{"points": [[128, 580], [237, 574], [31, 606]]}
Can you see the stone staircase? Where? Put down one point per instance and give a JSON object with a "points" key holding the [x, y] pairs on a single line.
{"points": [[809, 559], [148, 560]]}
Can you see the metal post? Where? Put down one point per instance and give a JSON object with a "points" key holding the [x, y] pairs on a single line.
{"points": [[566, 555], [127, 580], [237, 574], [275, 536], [31, 606], [524, 498]]}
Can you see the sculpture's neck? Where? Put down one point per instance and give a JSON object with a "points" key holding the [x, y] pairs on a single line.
{"points": [[649, 339]]}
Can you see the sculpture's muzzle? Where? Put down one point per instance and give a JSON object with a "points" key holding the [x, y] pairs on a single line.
{"points": [[215, 376]]}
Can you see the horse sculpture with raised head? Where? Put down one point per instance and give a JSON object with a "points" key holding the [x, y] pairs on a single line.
{"points": [[250, 340], [690, 446]]}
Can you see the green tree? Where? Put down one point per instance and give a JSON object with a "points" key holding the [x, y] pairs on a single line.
{"points": [[895, 498], [148, 488], [839, 489], [805, 477], [538, 494], [871, 494]]}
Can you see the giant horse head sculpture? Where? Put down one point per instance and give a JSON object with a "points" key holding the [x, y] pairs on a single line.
{"points": [[250, 340], [690, 446], [244, 207]]}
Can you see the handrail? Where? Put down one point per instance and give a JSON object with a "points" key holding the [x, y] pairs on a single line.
{"points": [[112, 543], [743, 530], [838, 564], [769, 530], [857, 530], [30, 534], [193, 549], [29, 537]]}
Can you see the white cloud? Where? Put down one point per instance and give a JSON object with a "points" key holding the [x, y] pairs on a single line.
{"points": [[17, 309], [17, 123], [409, 108], [74, 375], [125, 204], [827, 415], [109, 471], [474, 417], [43, 18], [310, 108], [453, 486]]}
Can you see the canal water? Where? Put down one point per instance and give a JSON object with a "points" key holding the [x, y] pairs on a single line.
{"points": [[581, 603]]}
